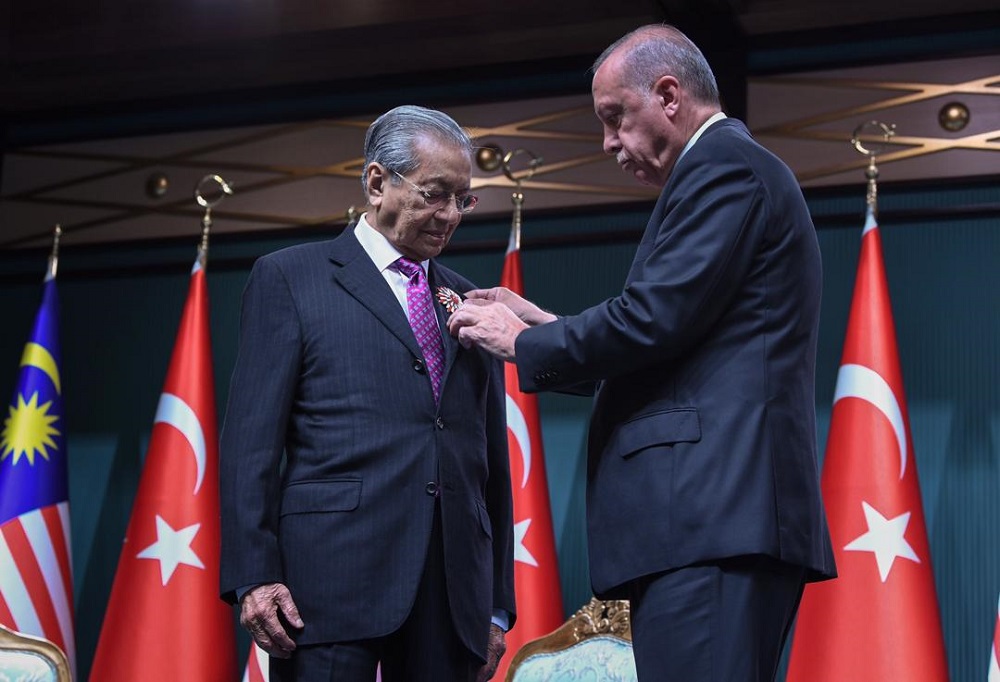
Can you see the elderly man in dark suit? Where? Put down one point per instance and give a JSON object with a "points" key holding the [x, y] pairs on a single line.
{"points": [[366, 503], [703, 494]]}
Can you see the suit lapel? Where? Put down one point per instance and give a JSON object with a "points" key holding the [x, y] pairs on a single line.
{"points": [[356, 273], [438, 278]]}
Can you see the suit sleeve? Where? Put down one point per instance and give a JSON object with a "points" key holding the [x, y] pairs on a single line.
{"points": [[703, 248], [498, 493], [252, 442]]}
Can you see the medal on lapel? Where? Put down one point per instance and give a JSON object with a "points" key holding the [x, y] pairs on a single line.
{"points": [[449, 299]]}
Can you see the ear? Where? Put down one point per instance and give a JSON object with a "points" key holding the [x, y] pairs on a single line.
{"points": [[667, 90], [375, 181]]}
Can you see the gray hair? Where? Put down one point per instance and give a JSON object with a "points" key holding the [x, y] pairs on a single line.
{"points": [[391, 139], [657, 50]]}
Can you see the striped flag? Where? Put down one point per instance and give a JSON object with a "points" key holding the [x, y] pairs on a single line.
{"points": [[536, 569], [36, 581], [165, 621], [994, 673]]}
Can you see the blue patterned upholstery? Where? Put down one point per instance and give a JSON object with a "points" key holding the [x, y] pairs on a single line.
{"points": [[594, 645], [598, 659]]}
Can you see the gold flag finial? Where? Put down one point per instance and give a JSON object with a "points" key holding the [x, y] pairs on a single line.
{"points": [[209, 193], [869, 144], [517, 197], [50, 274]]}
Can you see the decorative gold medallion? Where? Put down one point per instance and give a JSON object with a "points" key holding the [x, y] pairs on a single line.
{"points": [[449, 299]]}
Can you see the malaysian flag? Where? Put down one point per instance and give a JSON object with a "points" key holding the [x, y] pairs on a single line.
{"points": [[36, 582]]}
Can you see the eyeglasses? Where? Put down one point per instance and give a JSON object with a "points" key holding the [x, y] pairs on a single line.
{"points": [[438, 200]]}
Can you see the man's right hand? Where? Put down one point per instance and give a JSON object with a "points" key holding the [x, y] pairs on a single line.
{"points": [[527, 311], [259, 614]]}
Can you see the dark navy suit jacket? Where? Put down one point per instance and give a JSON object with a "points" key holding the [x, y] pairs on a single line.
{"points": [[702, 441], [330, 374]]}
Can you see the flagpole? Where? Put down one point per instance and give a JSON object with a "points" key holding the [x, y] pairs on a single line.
{"points": [[50, 273]]}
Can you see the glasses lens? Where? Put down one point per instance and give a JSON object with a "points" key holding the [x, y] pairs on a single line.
{"points": [[466, 202], [435, 199]]}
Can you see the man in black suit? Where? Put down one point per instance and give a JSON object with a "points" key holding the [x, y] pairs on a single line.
{"points": [[366, 503], [703, 496]]}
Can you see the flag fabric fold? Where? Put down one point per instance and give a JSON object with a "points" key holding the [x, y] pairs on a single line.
{"points": [[256, 669], [36, 582], [536, 570], [879, 620], [164, 620], [993, 675]]}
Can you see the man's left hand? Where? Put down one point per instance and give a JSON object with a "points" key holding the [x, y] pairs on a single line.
{"points": [[489, 325], [495, 649]]}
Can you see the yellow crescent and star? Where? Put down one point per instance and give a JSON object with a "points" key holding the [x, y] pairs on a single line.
{"points": [[28, 429]]}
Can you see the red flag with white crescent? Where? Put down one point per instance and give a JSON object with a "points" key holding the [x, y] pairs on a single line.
{"points": [[536, 569], [165, 621], [879, 620]]}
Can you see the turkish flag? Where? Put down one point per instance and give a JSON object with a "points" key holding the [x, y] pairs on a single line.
{"points": [[879, 620], [536, 569], [165, 621]]}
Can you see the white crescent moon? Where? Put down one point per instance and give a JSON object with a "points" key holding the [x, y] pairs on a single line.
{"points": [[519, 428], [858, 381], [174, 411]]}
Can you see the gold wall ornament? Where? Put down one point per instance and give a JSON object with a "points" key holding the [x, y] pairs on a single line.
{"points": [[157, 185], [489, 157], [953, 116]]}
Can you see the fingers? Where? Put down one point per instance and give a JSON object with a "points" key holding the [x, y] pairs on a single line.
{"points": [[495, 650], [259, 614]]}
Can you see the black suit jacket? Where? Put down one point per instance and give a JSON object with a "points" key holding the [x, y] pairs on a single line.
{"points": [[330, 373], [702, 441]]}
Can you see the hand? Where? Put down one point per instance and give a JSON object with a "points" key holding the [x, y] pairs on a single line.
{"points": [[489, 325], [259, 614], [527, 311], [495, 649]]}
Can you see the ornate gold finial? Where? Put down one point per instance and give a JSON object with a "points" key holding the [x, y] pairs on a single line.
{"points": [[217, 189], [50, 273], [859, 140], [517, 197]]}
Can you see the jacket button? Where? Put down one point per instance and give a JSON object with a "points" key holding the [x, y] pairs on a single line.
{"points": [[439, 423], [418, 366], [432, 489]]}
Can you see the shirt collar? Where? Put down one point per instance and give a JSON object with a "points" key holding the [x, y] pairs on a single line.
{"points": [[378, 248], [718, 116]]}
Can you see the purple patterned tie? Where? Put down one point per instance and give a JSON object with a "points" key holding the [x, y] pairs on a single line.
{"points": [[425, 326]]}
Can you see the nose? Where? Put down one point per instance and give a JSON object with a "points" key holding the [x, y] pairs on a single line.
{"points": [[612, 145], [450, 210]]}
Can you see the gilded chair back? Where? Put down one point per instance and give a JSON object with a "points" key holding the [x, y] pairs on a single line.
{"points": [[31, 659], [593, 645]]}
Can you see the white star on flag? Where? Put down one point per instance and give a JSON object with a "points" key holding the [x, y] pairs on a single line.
{"points": [[172, 547], [884, 539], [521, 552]]}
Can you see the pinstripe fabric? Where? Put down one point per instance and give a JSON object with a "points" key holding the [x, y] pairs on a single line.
{"points": [[334, 453]]}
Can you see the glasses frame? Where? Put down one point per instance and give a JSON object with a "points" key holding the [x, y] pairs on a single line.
{"points": [[439, 200]]}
